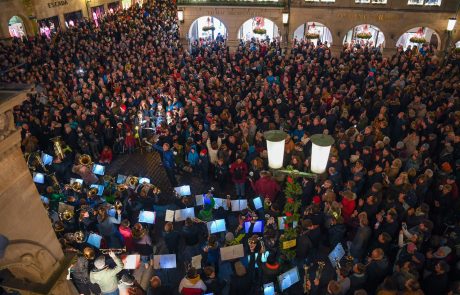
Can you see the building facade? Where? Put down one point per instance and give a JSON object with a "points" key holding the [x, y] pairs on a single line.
{"points": [[390, 22]]}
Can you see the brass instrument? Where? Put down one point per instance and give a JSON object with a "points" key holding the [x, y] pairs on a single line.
{"points": [[34, 159], [319, 270], [306, 278], [92, 192], [267, 202], [122, 187], [58, 147], [76, 186], [85, 160], [114, 250], [118, 205], [109, 179], [79, 236], [132, 181], [66, 215], [147, 186], [89, 253]]}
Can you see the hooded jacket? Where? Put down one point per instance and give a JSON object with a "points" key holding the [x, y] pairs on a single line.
{"points": [[192, 286], [266, 187], [107, 278]]}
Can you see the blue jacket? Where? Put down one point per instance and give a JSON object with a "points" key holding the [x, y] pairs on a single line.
{"points": [[192, 158], [168, 157]]}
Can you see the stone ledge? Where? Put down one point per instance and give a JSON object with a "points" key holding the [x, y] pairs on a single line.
{"points": [[10, 142]]}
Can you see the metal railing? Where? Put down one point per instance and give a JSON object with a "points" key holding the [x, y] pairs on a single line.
{"points": [[265, 3]]}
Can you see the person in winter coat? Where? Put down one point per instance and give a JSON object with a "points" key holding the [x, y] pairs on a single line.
{"points": [[239, 172], [106, 155], [193, 157], [213, 148], [240, 282], [104, 276], [192, 284], [265, 186], [359, 245], [168, 161], [213, 284], [203, 165], [127, 234], [348, 205], [221, 173]]}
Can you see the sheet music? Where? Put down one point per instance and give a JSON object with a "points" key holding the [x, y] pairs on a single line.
{"points": [[231, 252], [164, 261], [131, 261], [238, 205], [196, 261], [181, 215], [199, 200], [169, 215], [220, 203]]}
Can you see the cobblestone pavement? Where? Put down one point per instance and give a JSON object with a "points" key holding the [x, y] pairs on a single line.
{"points": [[148, 164]]}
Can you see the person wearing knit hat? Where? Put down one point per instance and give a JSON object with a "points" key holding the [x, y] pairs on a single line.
{"points": [[191, 283], [104, 276]]}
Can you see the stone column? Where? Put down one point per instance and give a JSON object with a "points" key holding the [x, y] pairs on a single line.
{"points": [[34, 256]]}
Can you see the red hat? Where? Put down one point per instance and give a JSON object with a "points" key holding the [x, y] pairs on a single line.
{"points": [[203, 152], [123, 107], [316, 200]]}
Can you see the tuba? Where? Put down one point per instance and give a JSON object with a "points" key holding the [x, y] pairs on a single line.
{"points": [[58, 147], [66, 215], [76, 186], [92, 192], [132, 181], [85, 160]]}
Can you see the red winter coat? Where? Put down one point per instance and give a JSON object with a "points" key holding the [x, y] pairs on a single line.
{"points": [[266, 187], [348, 208], [106, 156], [243, 169]]}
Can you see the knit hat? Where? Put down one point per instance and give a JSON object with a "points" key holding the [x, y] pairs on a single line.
{"points": [[442, 252], [240, 270], [229, 237], [316, 200], [99, 263], [127, 279]]}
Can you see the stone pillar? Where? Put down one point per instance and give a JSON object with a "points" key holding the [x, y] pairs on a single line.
{"points": [[34, 256]]}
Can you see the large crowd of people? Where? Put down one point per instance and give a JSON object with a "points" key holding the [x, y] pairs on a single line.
{"points": [[389, 195]]}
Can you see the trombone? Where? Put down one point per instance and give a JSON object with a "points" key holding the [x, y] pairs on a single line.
{"points": [[114, 250]]}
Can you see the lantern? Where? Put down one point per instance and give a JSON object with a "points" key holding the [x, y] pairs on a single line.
{"points": [[321, 147], [275, 147], [180, 15]]}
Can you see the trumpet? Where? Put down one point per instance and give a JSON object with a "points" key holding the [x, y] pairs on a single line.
{"points": [[57, 145], [114, 250], [319, 270], [85, 160], [306, 278]]}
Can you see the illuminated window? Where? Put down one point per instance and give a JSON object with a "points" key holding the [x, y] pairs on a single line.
{"points": [[373, 1], [320, 1], [425, 2]]}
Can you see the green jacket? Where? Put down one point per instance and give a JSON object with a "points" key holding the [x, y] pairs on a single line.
{"points": [[107, 277]]}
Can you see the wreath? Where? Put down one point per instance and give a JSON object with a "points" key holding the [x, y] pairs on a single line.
{"points": [[457, 50], [259, 31], [208, 28], [419, 40], [312, 36], [364, 35]]}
